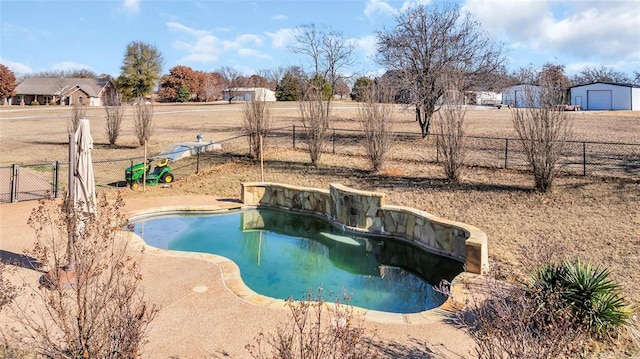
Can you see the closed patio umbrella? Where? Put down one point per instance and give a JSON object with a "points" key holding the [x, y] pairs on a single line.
{"points": [[82, 191]]}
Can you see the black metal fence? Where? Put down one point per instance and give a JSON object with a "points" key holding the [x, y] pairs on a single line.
{"points": [[608, 159], [28, 182]]}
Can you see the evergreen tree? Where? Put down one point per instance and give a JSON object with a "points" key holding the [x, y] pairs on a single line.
{"points": [[289, 88], [360, 87], [141, 69], [183, 94]]}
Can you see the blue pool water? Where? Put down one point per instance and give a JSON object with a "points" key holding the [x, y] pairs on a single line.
{"points": [[286, 255]]}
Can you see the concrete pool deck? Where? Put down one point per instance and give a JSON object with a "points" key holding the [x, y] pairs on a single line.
{"points": [[207, 312]]}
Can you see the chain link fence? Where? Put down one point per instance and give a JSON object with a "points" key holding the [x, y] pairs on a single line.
{"points": [[35, 181], [606, 159], [28, 182]]}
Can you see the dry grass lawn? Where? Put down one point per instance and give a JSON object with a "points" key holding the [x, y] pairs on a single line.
{"points": [[592, 218]]}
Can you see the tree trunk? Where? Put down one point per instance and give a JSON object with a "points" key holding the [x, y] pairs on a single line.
{"points": [[424, 119]]}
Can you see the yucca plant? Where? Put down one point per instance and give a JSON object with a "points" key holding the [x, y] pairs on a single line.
{"points": [[595, 300], [549, 277]]}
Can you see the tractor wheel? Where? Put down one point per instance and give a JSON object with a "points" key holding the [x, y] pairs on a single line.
{"points": [[167, 177], [135, 185]]}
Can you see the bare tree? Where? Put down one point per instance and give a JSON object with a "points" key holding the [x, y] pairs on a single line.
{"points": [[114, 114], [78, 73], [99, 311], [143, 120], [231, 78], [430, 42], [212, 86], [256, 124], [376, 121], [274, 76], [78, 112], [329, 53], [451, 125], [543, 128], [591, 74]]}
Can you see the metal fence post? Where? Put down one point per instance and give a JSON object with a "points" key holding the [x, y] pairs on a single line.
{"points": [[294, 137], [198, 161], [13, 179], [584, 158], [56, 168], [334, 141], [506, 152]]}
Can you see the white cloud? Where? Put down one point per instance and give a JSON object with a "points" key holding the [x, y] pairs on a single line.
{"points": [[411, 3], [202, 46], [374, 7], [368, 45], [245, 70], [248, 38], [11, 30], [520, 21], [131, 6], [279, 17], [281, 38], [591, 31], [17, 67], [254, 53]]}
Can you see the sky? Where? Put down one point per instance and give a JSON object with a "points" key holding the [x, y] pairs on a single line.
{"points": [[251, 36]]}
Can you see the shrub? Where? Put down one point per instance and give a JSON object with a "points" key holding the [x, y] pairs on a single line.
{"points": [[256, 124], [505, 322], [595, 300], [543, 130], [564, 308], [313, 330], [8, 290], [35, 103], [143, 120], [100, 312], [78, 112], [376, 123], [114, 111], [451, 123]]}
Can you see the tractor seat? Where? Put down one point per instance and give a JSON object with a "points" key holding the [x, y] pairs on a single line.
{"points": [[163, 162]]}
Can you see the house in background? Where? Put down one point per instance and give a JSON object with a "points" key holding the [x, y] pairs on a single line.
{"points": [[248, 94], [606, 96], [520, 96], [63, 91]]}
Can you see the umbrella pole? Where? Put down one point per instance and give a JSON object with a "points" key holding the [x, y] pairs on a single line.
{"points": [[72, 225], [145, 164]]}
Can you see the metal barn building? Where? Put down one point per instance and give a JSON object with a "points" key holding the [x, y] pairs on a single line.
{"points": [[606, 96], [248, 94], [521, 96]]}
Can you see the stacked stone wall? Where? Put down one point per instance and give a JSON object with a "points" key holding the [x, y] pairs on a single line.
{"points": [[366, 211]]}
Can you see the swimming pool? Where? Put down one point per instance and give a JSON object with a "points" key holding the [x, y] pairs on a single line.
{"points": [[284, 254]]}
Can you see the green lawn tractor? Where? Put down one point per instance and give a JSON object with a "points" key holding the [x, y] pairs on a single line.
{"points": [[161, 173]]}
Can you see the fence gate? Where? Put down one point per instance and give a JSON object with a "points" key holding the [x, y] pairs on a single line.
{"points": [[28, 182]]}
